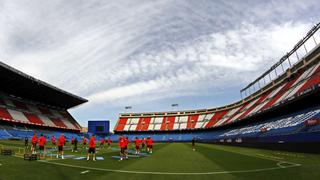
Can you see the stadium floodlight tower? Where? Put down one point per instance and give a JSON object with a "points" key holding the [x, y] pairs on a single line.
{"points": [[126, 108], [175, 106]]}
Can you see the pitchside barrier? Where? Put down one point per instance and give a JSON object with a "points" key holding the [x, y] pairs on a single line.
{"points": [[24, 152], [14, 150], [6, 152]]}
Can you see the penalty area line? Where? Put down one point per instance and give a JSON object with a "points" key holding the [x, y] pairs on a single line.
{"points": [[173, 173]]}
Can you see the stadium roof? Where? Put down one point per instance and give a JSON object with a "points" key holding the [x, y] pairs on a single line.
{"points": [[19, 84]]}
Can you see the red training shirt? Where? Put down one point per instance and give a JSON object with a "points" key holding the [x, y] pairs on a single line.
{"points": [[34, 139], [42, 141], [137, 141], [149, 142], [62, 140], [92, 143], [122, 143], [53, 139]]}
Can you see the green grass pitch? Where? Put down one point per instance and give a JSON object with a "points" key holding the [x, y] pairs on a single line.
{"points": [[168, 161]]}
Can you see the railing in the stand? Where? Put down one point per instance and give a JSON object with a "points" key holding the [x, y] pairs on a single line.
{"points": [[300, 50]]}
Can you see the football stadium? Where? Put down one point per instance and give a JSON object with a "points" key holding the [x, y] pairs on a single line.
{"points": [[272, 131]]}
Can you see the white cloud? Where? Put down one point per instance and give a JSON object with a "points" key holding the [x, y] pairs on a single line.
{"points": [[219, 58]]}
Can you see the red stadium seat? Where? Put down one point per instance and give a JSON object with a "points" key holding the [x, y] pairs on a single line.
{"points": [[261, 99], [215, 118], [121, 124], [192, 120], [145, 123], [58, 122], [315, 79], [4, 114], [167, 123], [33, 118], [279, 94]]}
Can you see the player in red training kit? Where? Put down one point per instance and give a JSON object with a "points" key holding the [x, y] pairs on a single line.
{"points": [[61, 142], [42, 142], [109, 143], [92, 149], [53, 140], [143, 143], [137, 142], [122, 145], [34, 142], [126, 141], [72, 143], [101, 143], [84, 140], [149, 144]]}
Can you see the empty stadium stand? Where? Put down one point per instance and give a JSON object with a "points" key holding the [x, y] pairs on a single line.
{"points": [[298, 83], [33, 104], [296, 131], [15, 110]]}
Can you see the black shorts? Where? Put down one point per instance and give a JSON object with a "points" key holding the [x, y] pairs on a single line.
{"points": [[101, 144], [122, 150], [137, 147], [92, 150], [149, 146], [126, 147], [41, 148], [54, 143], [143, 145], [108, 144], [84, 143], [34, 145], [60, 148]]}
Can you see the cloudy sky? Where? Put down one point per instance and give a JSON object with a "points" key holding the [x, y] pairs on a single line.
{"points": [[149, 54]]}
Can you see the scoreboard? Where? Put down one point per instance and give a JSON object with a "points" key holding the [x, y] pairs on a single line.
{"points": [[99, 127]]}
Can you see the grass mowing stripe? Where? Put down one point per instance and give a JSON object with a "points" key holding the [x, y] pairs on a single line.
{"points": [[245, 165], [260, 156], [169, 173], [164, 152], [171, 157]]}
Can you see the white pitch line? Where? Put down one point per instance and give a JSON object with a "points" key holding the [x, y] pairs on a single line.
{"points": [[279, 166], [173, 173], [83, 172], [0, 164]]}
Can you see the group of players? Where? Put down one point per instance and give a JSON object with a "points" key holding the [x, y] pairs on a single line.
{"points": [[123, 145], [61, 142], [42, 142]]}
